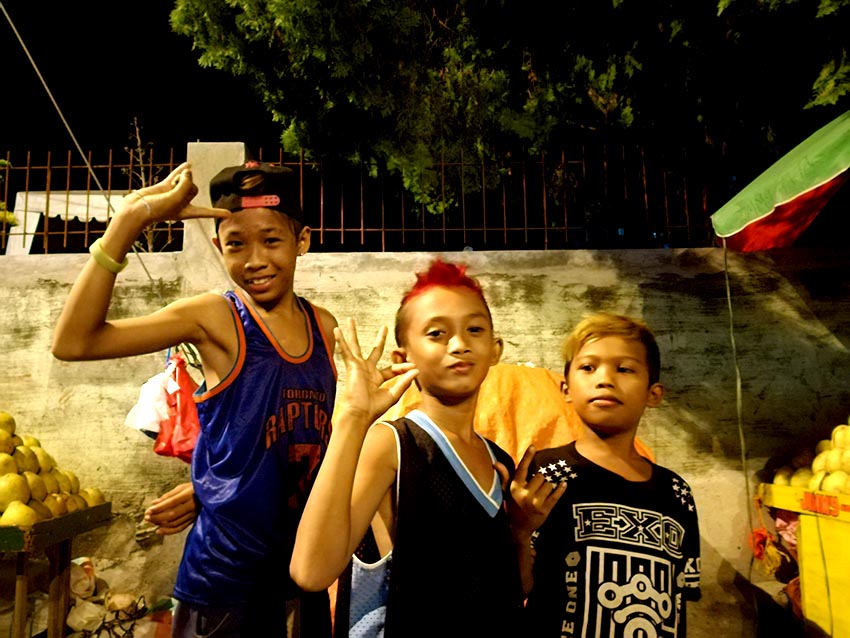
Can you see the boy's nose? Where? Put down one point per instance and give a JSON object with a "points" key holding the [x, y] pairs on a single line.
{"points": [[458, 344], [603, 378], [255, 257]]}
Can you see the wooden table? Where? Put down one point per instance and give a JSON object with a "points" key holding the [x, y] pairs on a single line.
{"points": [[53, 537]]}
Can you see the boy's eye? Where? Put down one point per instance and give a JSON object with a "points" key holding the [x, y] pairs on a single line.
{"points": [[624, 369], [476, 329], [435, 333], [586, 367]]}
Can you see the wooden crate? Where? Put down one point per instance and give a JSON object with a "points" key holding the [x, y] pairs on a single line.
{"points": [[823, 552]]}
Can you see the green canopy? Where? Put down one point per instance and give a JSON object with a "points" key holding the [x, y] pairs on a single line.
{"points": [[779, 204]]}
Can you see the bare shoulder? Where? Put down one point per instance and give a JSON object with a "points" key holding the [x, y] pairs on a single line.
{"points": [[203, 309], [380, 446], [209, 314]]}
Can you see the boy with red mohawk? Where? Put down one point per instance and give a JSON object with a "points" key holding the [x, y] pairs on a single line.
{"points": [[426, 485]]}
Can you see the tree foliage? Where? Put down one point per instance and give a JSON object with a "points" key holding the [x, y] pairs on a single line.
{"points": [[402, 85]]}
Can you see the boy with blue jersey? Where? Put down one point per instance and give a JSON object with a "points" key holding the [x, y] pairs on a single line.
{"points": [[265, 403]]}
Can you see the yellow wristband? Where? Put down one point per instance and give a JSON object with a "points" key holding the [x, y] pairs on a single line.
{"points": [[105, 261]]}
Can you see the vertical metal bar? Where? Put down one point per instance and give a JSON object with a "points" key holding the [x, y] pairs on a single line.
{"points": [[644, 180], [564, 198], [687, 210], [665, 200], [625, 172], [383, 218], [362, 210], [321, 208], [504, 213], [88, 199], [341, 214], [4, 225], [525, 201], [301, 199], [605, 171], [545, 202], [685, 193], [444, 208], [422, 211], [27, 191], [483, 199], [584, 181], [403, 219], [46, 214], [68, 167], [110, 167]]}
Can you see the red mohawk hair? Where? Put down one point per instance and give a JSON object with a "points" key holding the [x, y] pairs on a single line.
{"points": [[442, 274]]}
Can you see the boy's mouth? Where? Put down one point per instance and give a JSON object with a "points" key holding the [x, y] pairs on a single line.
{"points": [[259, 281], [605, 400]]}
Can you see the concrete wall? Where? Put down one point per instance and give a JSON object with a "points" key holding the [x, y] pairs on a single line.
{"points": [[791, 331]]}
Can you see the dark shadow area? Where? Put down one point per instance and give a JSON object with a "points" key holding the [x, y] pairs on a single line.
{"points": [[775, 620]]}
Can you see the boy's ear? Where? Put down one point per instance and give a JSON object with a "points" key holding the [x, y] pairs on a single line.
{"points": [[215, 242], [655, 396], [398, 355], [304, 240], [498, 349], [565, 390]]}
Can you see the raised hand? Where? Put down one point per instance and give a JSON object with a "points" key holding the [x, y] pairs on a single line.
{"points": [[364, 395], [169, 199], [531, 499]]}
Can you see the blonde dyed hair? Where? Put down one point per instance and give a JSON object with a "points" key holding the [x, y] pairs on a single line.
{"points": [[606, 324]]}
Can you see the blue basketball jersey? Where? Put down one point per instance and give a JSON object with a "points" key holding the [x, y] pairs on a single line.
{"points": [[264, 431]]}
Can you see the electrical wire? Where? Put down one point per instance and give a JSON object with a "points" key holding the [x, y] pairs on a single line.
{"points": [[739, 411], [55, 104], [739, 402], [189, 349]]}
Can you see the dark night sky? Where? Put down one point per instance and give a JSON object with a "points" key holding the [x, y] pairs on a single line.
{"points": [[106, 62]]}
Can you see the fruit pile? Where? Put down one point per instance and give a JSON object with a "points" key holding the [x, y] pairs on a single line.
{"points": [[32, 487], [826, 469]]}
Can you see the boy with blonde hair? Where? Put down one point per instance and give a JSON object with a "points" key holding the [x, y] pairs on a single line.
{"points": [[618, 555]]}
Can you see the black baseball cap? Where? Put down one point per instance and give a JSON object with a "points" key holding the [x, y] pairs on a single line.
{"points": [[258, 185]]}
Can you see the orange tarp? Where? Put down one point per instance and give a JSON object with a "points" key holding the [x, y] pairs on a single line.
{"points": [[517, 406]]}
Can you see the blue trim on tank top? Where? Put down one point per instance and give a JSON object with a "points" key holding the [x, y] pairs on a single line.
{"points": [[492, 501]]}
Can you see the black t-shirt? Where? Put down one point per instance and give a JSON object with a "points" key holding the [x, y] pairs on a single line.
{"points": [[614, 556]]}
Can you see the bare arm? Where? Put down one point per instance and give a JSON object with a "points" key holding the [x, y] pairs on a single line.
{"points": [[357, 470], [174, 511], [82, 331]]}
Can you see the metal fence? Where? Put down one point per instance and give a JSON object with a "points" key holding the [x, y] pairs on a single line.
{"points": [[592, 195]]}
